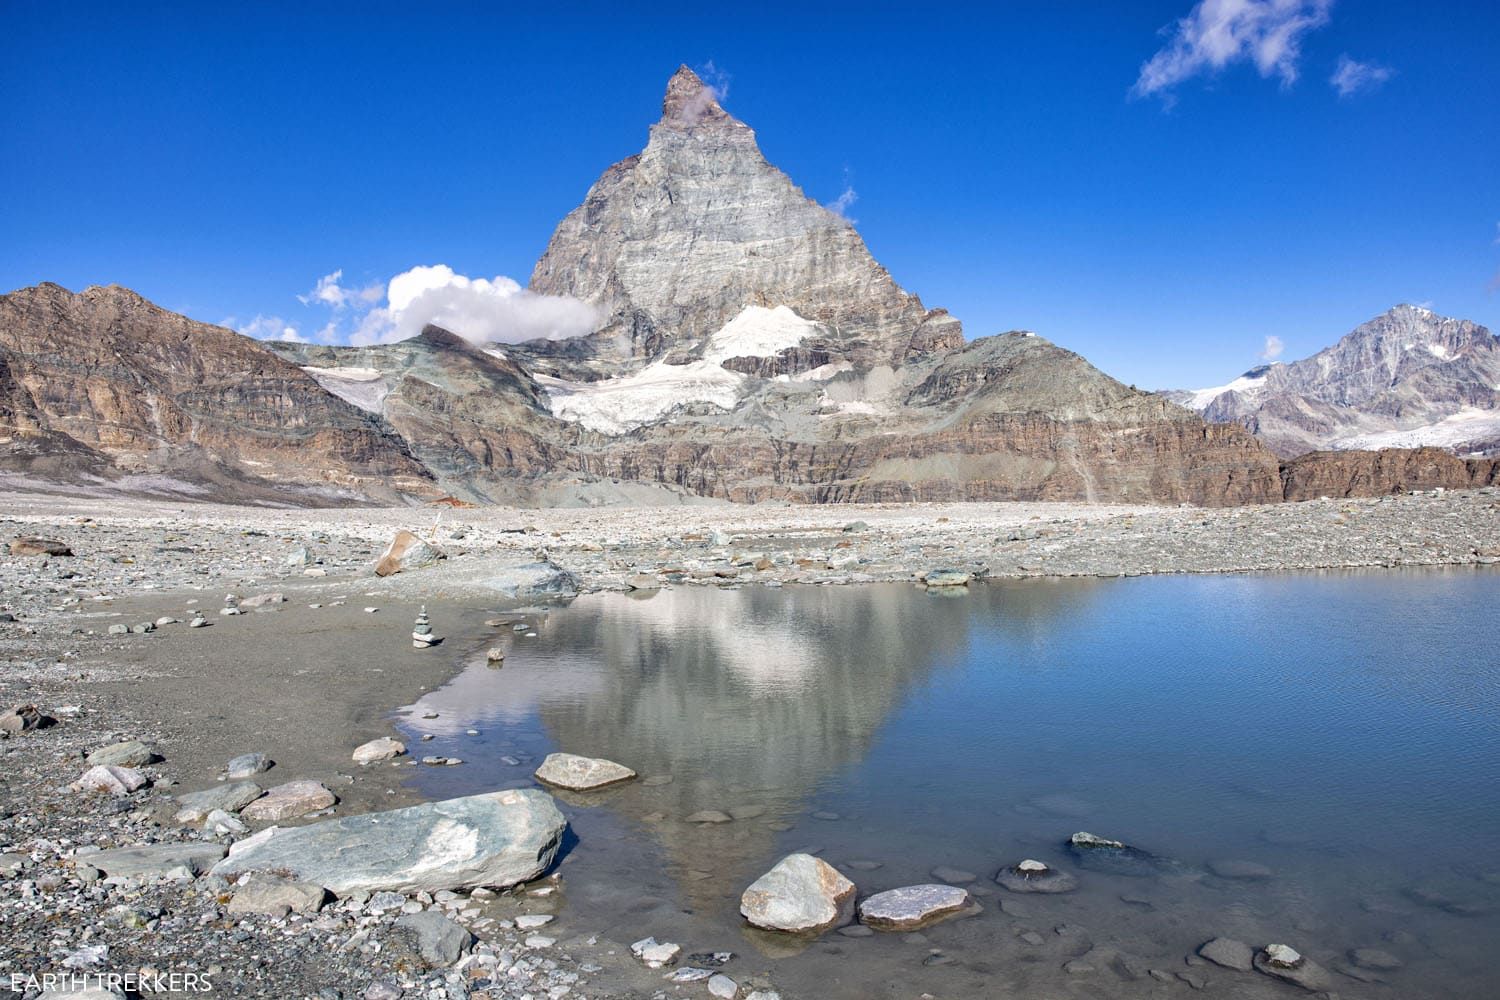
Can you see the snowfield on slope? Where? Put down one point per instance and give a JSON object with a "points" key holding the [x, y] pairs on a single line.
{"points": [[363, 387], [1467, 426], [618, 405]]}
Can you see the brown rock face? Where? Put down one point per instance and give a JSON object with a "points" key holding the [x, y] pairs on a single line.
{"points": [[105, 379], [1380, 473]]}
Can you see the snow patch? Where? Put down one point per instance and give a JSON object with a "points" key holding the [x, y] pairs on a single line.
{"points": [[361, 387], [1440, 352], [1468, 425], [1202, 397], [618, 405]]}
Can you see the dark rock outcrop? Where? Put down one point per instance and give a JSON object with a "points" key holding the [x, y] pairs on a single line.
{"points": [[1380, 473]]}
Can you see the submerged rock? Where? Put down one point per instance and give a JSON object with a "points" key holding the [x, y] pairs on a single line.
{"points": [[1034, 876], [913, 907], [496, 839], [1241, 871], [1229, 953], [1286, 963], [1114, 857], [581, 774], [801, 895], [655, 953]]}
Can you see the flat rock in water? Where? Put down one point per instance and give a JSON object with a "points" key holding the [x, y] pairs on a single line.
{"points": [[802, 895], [947, 578], [276, 896], [1229, 953], [194, 807], [288, 801], [131, 753], [440, 940], [581, 774], [157, 859], [912, 907], [953, 876], [374, 751], [496, 840]]}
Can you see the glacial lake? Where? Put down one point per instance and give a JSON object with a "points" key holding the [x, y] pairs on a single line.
{"points": [[1342, 730]]}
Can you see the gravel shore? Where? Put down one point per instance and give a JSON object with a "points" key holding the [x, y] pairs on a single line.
{"points": [[306, 678]]}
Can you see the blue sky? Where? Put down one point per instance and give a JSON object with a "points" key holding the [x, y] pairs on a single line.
{"points": [[1016, 165]]}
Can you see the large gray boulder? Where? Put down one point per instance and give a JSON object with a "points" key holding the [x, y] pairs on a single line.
{"points": [[407, 552], [535, 581], [801, 895], [496, 839]]}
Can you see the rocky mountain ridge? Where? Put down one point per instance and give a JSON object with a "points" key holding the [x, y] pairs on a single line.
{"points": [[751, 350], [1407, 378]]}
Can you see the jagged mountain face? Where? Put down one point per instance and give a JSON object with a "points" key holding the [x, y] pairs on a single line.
{"points": [[103, 383], [675, 242], [1406, 379], [474, 417]]}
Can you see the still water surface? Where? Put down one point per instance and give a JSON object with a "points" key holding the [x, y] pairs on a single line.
{"points": [[1342, 730]]}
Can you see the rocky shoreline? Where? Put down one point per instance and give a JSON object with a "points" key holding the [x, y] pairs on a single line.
{"points": [[185, 702]]}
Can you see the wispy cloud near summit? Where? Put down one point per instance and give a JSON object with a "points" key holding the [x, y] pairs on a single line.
{"points": [[1220, 33]]}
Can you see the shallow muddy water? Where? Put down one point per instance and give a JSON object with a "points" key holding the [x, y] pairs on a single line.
{"points": [[1341, 730]]}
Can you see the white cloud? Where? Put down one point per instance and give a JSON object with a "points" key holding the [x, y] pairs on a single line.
{"points": [[267, 328], [1219, 33], [840, 206], [329, 292], [483, 310], [1355, 77], [1273, 349]]}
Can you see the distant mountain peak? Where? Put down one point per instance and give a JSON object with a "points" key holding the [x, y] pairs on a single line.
{"points": [[690, 102]]}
